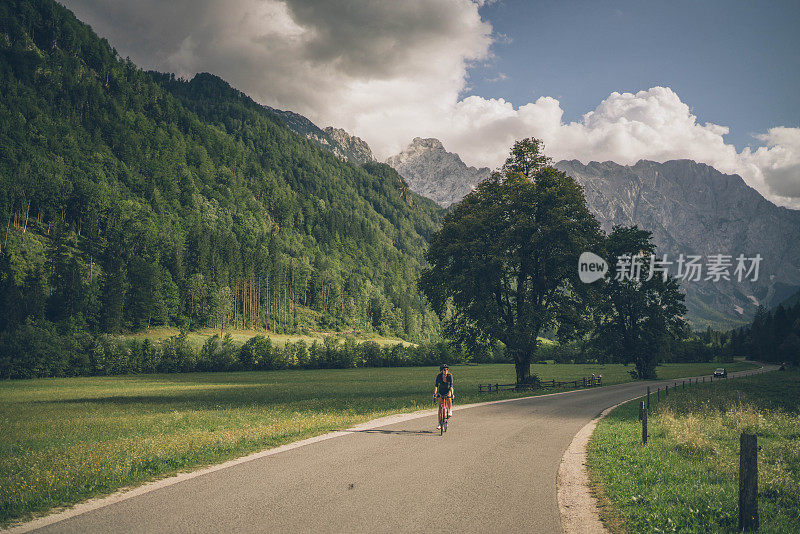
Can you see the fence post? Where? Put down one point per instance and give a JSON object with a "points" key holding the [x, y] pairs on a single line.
{"points": [[666, 390], [648, 397], [644, 423], [497, 387], [480, 387], [748, 482]]}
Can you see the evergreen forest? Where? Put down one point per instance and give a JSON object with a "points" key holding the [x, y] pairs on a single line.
{"points": [[132, 199]]}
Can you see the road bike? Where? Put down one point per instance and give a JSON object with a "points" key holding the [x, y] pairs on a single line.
{"points": [[443, 414]]}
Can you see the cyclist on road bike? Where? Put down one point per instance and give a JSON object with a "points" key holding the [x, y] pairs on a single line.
{"points": [[444, 389]]}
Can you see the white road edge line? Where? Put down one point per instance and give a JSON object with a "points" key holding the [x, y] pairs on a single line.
{"points": [[577, 504], [127, 493]]}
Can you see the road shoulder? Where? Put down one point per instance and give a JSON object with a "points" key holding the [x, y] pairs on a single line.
{"points": [[576, 503]]}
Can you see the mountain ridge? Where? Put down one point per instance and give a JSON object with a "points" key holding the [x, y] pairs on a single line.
{"points": [[335, 140], [690, 207]]}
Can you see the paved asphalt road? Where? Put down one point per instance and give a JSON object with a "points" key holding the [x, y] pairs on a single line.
{"points": [[493, 471]]}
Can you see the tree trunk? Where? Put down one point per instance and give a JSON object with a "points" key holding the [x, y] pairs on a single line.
{"points": [[5, 243], [27, 213], [645, 367], [522, 364]]}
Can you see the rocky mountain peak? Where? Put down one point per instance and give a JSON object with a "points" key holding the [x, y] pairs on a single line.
{"points": [[428, 143], [354, 148], [343, 145], [432, 171]]}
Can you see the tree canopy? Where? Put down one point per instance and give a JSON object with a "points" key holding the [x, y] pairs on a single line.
{"points": [[504, 265], [639, 309]]}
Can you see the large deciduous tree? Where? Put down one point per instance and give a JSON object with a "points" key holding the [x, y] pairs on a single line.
{"points": [[640, 305], [504, 264]]}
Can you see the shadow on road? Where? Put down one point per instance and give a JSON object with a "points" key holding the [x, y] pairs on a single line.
{"points": [[379, 431]]}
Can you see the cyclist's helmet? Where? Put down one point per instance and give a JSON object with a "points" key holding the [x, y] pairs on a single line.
{"points": [[443, 366]]}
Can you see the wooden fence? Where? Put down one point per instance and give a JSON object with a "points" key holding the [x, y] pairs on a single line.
{"points": [[585, 382]]}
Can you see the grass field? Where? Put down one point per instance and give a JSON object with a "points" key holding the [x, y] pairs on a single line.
{"points": [[198, 337], [64, 440], [686, 478]]}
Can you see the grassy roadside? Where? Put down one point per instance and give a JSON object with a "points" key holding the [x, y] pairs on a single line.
{"points": [[64, 440], [686, 478]]}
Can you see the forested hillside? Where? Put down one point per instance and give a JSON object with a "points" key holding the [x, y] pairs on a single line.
{"points": [[773, 336], [132, 198]]}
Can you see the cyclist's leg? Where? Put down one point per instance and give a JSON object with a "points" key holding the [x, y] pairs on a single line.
{"points": [[441, 410]]}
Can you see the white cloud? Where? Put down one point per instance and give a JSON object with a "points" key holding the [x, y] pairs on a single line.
{"points": [[625, 127], [778, 164], [389, 71]]}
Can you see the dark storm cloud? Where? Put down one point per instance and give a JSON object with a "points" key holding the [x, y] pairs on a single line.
{"points": [[329, 60], [245, 39], [146, 30]]}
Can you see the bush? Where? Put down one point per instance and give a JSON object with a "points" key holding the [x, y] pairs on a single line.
{"points": [[176, 355], [218, 355], [264, 355], [38, 350], [370, 354], [33, 350]]}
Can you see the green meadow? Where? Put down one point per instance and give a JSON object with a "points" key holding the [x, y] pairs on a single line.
{"points": [[68, 439], [196, 338], [686, 478]]}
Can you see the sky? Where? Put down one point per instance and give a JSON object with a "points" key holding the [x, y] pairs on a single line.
{"points": [[712, 81]]}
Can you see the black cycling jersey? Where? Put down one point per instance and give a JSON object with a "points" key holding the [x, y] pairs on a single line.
{"points": [[443, 385]]}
